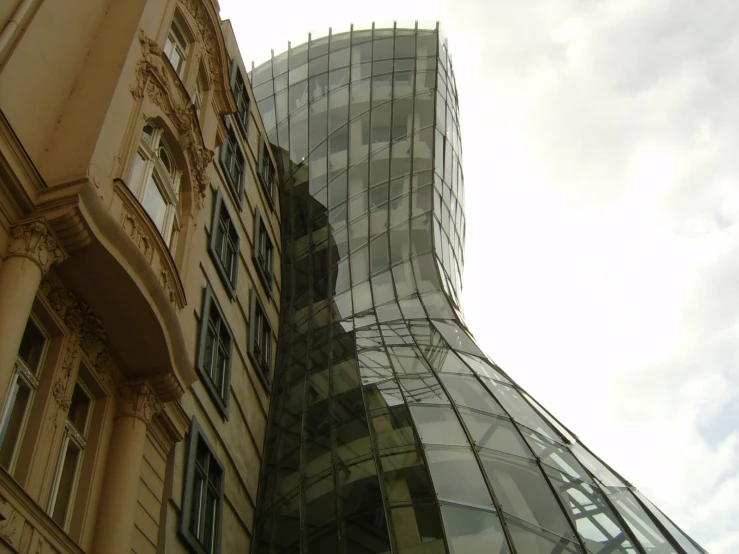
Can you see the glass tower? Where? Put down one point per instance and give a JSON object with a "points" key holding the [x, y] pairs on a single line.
{"points": [[390, 430]]}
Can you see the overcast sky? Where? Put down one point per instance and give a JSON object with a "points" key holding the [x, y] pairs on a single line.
{"points": [[601, 158]]}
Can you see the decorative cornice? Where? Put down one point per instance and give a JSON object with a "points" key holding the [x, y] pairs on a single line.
{"points": [[156, 79], [34, 240], [84, 325], [138, 400]]}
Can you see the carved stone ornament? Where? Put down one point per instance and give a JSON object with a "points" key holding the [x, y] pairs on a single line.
{"points": [[84, 325], [138, 232], [138, 400], [156, 79], [199, 13], [34, 240], [63, 382]]}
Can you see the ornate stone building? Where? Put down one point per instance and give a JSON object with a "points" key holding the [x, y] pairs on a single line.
{"points": [[139, 279]]}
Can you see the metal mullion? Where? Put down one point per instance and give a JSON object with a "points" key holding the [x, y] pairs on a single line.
{"points": [[667, 535], [537, 461], [418, 447], [624, 526], [475, 453], [373, 439]]}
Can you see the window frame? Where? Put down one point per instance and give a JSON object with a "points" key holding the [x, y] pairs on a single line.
{"points": [[263, 365], [167, 181], [232, 143], [180, 44], [266, 274], [219, 207], [268, 186], [197, 436], [79, 437], [240, 92], [221, 401], [31, 379]]}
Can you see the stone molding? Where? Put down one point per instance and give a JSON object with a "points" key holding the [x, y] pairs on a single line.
{"points": [[156, 80], [138, 400], [35, 240], [61, 388], [86, 328], [199, 13], [139, 227]]}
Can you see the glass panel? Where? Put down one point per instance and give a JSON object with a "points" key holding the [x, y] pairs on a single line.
{"points": [[637, 519], [18, 402], [32, 346], [469, 530], [136, 173], [66, 485], [483, 369], [154, 204], [406, 478], [423, 390], [319, 500], [438, 425], [457, 338], [494, 433], [534, 540], [79, 409], [523, 492], [468, 391], [596, 524], [457, 477], [418, 529], [596, 467], [520, 410], [393, 428], [678, 535]]}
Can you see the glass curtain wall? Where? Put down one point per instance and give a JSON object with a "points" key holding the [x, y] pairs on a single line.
{"points": [[390, 430]]}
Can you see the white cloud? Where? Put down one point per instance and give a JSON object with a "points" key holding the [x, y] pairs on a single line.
{"points": [[600, 142]]}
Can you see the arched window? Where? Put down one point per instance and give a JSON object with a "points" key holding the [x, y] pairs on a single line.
{"points": [[155, 182]]}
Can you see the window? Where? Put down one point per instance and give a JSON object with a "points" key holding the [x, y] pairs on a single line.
{"points": [[24, 382], [175, 48], [155, 182], [238, 86], [267, 172], [214, 352], [224, 244], [70, 457], [233, 165], [200, 525], [263, 252], [260, 338]]}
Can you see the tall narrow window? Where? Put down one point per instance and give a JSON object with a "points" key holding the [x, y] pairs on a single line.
{"points": [[267, 172], [155, 182], [175, 48], [224, 244], [23, 384], [238, 87], [214, 353], [263, 253], [70, 457], [200, 524], [233, 165], [260, 337]]}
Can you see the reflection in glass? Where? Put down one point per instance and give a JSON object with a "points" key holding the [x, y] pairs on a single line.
{"points": [[390, 430]]}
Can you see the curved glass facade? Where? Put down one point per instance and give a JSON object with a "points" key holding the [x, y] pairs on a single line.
{"points": [[390, 430]]}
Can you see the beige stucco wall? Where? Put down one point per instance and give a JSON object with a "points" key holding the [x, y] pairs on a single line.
{"points": [[74, 97]]}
